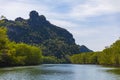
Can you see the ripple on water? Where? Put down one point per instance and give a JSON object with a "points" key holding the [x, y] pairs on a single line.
{"points": [[58, 72]]}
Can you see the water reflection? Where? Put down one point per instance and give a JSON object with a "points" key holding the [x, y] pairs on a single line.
{"points": [[115, 71], [58, 72]]}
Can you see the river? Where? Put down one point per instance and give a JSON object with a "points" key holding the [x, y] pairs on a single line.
{"points": [[58, 72]]}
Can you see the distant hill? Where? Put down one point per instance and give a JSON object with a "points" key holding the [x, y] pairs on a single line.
{"points": [[36, 30], [84, 49]]}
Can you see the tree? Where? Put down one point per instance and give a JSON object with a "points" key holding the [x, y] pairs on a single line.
{"points": [[2, 17], [32, 54], [14, 54]]}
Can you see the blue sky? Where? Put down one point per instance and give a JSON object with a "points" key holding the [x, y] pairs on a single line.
{"points": [[94, 23]]}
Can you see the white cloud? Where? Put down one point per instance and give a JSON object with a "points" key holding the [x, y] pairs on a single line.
{"points": [[95, 8], [94, 37], [75, 20], [97, 38], [19, 9]]}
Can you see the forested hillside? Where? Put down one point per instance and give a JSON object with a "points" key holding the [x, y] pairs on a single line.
{"points": [[14, 54], [53, 40]]}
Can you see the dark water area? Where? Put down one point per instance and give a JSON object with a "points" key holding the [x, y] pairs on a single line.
{"points": [[59, 72]]}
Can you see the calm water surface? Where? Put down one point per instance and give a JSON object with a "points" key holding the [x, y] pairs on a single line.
{"points": [[58, 72]]}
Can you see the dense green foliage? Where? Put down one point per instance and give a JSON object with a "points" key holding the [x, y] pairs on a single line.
{"points": [[53, 40], [13, 54], [85, 58], [53, 60], [109, 56]]}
